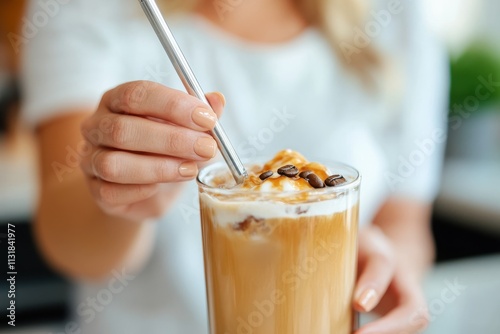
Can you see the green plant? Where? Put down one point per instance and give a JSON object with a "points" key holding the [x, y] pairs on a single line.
{"points": [[477, 61]]}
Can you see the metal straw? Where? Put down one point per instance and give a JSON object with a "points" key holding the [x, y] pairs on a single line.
{"points": [[192, 86]]}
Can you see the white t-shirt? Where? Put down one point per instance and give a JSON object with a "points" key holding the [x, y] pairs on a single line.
{"points": [[291, 95]]}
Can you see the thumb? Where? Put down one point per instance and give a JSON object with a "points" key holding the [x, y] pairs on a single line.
{"points": [[217, 102]]}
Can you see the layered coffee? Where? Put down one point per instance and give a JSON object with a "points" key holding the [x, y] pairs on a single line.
{"points": [[280, 249]]}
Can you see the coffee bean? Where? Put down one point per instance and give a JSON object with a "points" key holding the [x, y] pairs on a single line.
{"points": [[288, 170], [305, 174], [335, 180], [315, 181], [266, 175]]}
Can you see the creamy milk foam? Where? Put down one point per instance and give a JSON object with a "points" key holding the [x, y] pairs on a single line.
{"points": [[227, 212], [280, 250]]}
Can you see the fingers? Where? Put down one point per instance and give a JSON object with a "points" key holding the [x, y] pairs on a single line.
{"points": [[144, 134], [138, 134], [396, 295], [408, 317], [217, 102], [133, 202], [112, 194], [150, 208], [144, 98], [129, 168], [377, 266], [398, 321]]}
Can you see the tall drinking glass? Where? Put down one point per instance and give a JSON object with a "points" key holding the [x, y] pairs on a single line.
{"points": [[279, 262]]}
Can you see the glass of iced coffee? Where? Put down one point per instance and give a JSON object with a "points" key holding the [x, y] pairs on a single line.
{"points": [[280, 250]]}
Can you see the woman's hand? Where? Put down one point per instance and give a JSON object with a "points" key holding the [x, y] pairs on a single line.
{"points": [[142, 135], [385, 288]]}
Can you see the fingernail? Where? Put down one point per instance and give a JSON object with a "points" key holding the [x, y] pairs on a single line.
{"points": [[205, 147], [204, 118], [188, 169], [222, 97], [368, 299]]}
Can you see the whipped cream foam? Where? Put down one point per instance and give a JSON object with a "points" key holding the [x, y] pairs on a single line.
{"points": [[227, 212], [278, 195]]}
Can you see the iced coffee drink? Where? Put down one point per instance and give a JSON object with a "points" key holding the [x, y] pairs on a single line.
{"points": [[280, 250]]}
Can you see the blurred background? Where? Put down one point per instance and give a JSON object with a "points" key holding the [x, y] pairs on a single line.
{"points": [[466, 219]]}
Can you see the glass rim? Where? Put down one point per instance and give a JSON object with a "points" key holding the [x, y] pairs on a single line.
{"points": [[354, 182]]}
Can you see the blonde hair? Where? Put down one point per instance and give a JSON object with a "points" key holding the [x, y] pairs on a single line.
{"points": [[335, 18]]}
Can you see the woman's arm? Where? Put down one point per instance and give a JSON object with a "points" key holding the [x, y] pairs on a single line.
{"points": [[74, 234], [407, 224]]}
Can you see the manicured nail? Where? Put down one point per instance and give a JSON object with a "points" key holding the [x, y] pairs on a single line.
{"points": [[205, 147], [204, 118], [188, 169], [368, 299], [222, 97]]}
